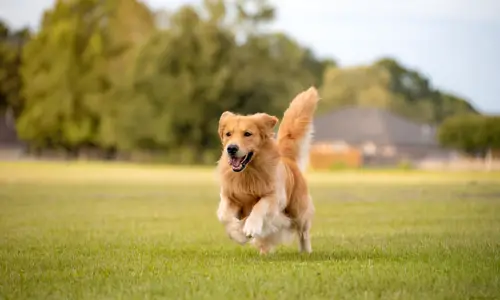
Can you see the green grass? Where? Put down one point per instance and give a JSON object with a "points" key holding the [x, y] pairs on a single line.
{"points": [[94, 231]]}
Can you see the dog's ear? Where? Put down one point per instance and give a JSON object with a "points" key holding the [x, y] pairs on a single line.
{"points": [[225, 115], [268, 122], [222, 120]]}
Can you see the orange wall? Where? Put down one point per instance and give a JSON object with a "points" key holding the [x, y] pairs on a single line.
{"points": [[323, 158]]}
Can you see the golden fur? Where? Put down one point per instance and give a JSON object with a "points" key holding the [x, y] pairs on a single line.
{"points": [[268, 199]]}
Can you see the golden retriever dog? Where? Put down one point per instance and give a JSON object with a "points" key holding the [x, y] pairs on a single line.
{"points": [[264, 196]]}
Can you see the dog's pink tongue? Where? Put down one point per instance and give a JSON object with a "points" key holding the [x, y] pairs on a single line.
{"points": [[236, 161]]}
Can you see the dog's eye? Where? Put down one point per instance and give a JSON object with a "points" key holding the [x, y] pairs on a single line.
{"points": [[228, 133], [247, 133]]}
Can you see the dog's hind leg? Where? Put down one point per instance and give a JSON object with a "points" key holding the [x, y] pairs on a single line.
{"points": [[304, 227], [305, 238]]}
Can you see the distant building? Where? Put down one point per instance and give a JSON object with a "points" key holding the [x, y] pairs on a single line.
{"points": [[357, 136]]}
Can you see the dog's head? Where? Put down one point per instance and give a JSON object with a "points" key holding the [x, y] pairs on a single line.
{"points": [[243, 136]]}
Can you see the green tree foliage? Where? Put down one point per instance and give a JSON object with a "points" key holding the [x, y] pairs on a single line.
{"points": [[181, 79], [471, 133], [364, 86], [192, 71], [252, 16], [316, 65], [11, 45], [390, 85], [260, 66], [73, 66], [130, 24]]}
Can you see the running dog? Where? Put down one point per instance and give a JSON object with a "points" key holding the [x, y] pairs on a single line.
{"points": [[264, 196]]}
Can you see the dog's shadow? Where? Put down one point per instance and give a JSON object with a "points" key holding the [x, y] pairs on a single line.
{"points": [[286, 254], [322, 256], [289, 255]]}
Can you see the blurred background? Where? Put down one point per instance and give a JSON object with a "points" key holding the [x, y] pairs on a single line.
{"points": [[411, 84]]}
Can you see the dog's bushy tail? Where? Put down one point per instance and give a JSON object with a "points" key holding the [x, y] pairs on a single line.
{"points": [[296, 128]]}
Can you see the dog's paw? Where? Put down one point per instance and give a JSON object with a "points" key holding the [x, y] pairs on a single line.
{"points": [[239, 237], [235, 232], [253, 226]]}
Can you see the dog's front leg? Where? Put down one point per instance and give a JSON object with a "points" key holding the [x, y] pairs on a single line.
{"points": [[227, 213], [266, 218]]}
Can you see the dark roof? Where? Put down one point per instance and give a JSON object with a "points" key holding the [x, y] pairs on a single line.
{"points": [[356, 125]]}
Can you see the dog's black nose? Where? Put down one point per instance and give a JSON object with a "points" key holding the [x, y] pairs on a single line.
{"points": [[232, 149]]}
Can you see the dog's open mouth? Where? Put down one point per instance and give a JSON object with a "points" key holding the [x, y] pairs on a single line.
{"points": [[238, 164]]}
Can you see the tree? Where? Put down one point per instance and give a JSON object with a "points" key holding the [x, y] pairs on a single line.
{"points": [[471, 133], [119, 83], [418, 95], [11, 45], [451, 105], [251, 16], [130, 24], [405, 81], [387, 84], [189, 73], [316, 66], [269, 70], [68, 98], [181, 78], [363, 86]]}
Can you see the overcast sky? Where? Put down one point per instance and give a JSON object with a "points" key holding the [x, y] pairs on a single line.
{"points": [[454, 42]]}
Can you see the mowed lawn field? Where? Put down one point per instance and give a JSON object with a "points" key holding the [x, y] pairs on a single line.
{"points": [[112, 231]]}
